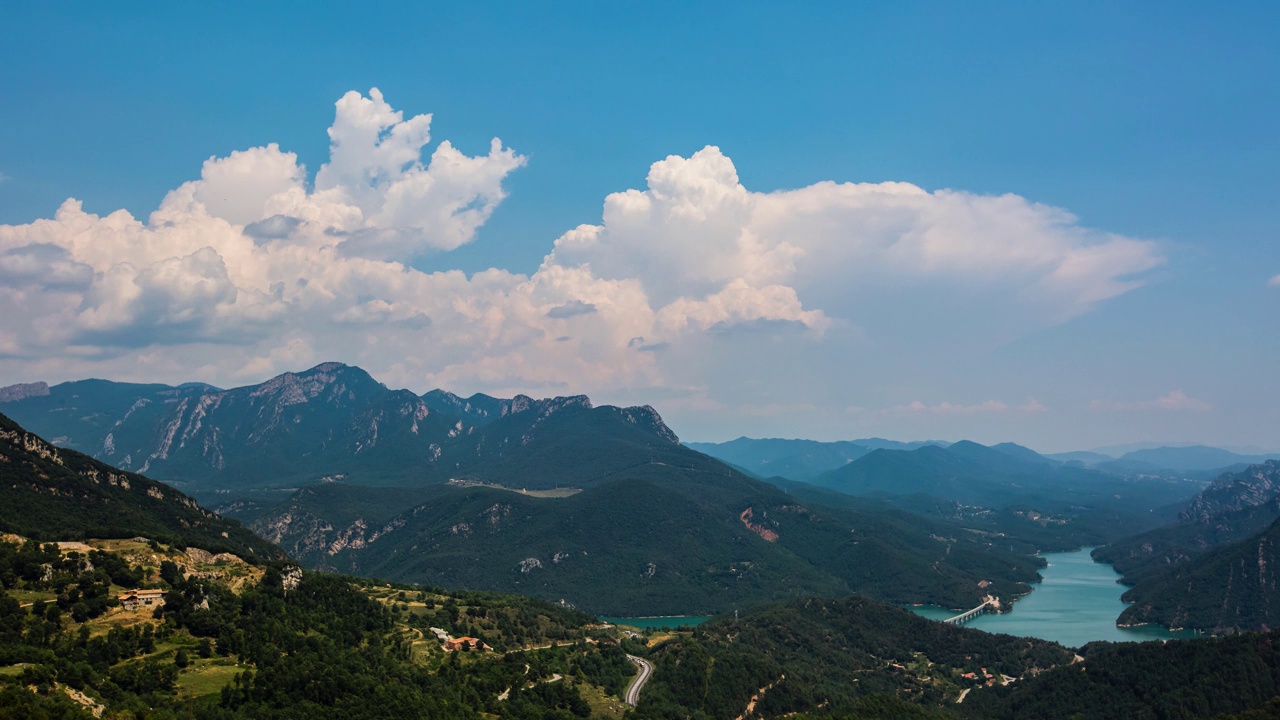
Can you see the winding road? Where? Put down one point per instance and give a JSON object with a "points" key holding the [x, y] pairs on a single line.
{"points": [[646, 670]]}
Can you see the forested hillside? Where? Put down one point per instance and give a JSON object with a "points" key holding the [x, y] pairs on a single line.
{"points": [[677, 543], [1232, 587], [1177, 680], [282, 644], [843, 658], [997, 489], [52, 493], [1210, 570]]}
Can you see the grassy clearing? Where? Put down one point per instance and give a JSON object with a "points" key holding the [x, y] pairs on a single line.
{"points": [[655, 640], [122, 546], [29, 596], [120, 618], [12, 670], [553, 493], [207, 677], [602, 704]]}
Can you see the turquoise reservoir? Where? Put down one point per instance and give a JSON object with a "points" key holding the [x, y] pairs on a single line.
{"points": [[1077, 602]]}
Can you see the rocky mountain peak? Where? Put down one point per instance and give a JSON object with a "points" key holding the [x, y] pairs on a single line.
{"points": [[295, 388], [546, 406], [518, 404]]}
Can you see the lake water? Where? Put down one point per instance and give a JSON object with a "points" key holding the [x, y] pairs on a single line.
{"points": [[1077, 602], [656, 623]]}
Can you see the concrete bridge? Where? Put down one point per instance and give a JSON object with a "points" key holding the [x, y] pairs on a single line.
{"points": [[989, 604]]}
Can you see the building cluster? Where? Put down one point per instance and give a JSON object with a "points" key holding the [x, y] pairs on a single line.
{"points": [[453, 644]]}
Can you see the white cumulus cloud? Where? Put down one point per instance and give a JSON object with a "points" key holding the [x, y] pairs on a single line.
{"points": [[696, 229], [917, 407], [694, 288]]}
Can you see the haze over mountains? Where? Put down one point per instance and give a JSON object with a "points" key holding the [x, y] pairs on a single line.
{"points": [[1005, 488], [335, 420]]}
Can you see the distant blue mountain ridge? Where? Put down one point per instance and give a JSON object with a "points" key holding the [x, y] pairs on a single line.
{"points": [[806, 460]]}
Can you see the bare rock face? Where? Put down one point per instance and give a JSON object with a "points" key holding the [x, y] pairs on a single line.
{"points": [[332, 422], [290, 578], [22, 391], [25, 442], [1256, 485], [645, 415]]}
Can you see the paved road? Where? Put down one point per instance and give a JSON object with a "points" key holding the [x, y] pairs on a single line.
{"points": [[646, 670]]}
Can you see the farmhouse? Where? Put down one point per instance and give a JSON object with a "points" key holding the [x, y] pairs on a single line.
{"points": [[133, 599], [457, 643]]}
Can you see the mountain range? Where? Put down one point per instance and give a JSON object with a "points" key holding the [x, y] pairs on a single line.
{"points": [[1010, 489], [332, 422], [600, 507], [807, 459], [797, 459]]}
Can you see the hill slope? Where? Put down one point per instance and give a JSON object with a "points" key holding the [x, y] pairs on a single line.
{"points": [[1210, 570], [50, 493], [842, 658], [1177, 680], [1232, 587], [1234, 507], [678, 541], [237, 644]]}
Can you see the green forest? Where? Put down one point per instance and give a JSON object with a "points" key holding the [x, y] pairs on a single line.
{"points": [[290, 645]]}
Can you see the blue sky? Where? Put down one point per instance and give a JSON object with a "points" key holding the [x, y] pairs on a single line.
{"points": [[1152, 122]]}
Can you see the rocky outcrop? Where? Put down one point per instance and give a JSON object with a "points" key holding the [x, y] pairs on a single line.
{"points": [[22, 391], [306, 536], [646, 416]]}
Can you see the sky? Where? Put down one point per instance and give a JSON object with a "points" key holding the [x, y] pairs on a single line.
{"points": [[1053, 224]]}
